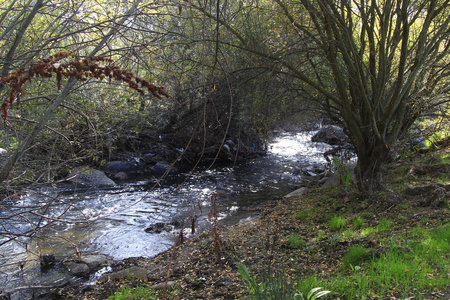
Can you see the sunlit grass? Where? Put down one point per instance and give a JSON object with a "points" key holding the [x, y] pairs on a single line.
{"points": [[337, 223], [138, 293], [421, 263], [358, 222]]}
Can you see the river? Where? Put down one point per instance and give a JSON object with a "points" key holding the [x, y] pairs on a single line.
{"points": [[114, 221]]}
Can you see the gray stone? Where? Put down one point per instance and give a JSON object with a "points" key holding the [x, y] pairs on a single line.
{"points": [[161, 168], [132, 273], [297, 193], [121, 176], [332, 180], [89, 176], [94, 261], [332, 135], [77, 268]]}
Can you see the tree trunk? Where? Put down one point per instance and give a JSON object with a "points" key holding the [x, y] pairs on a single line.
{"points": [[368, 170]]}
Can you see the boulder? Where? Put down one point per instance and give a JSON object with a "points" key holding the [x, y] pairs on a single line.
{"points": [[332, 135], [79, 269], [121, 176], [89, 176], [161, 168], [117, 166], [333, 180], [130, 273], [297, 192], [94, 261]]}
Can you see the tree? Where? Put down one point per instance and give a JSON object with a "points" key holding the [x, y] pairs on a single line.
{"points": [[46, 68], [373, 66]]}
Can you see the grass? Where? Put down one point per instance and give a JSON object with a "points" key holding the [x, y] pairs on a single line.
{"points": [[358, 222], [138, 293], [337, 223], [295, 242], [384, 225], [354, 257], [414, 262], [305, 214], [390, 251], [422, 266]]}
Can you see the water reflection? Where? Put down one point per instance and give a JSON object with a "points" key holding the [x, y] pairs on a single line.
{"points": [[113, 221]]}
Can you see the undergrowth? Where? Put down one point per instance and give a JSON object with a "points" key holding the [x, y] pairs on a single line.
{"points": [[138, 293], [415, 263]]}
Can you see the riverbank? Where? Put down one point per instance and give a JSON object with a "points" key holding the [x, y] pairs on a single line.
{"points": [[293, 241]]}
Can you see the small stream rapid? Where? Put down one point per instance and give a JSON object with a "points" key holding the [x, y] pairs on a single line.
{"points": [[113, 221]]}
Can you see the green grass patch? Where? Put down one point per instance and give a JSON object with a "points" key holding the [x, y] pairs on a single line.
{"points": [[305, 214], [417, 262], [295, 242], [420, 264], [358, 222], [384, 225], [354, 257], [336, 223], [138, 293]]}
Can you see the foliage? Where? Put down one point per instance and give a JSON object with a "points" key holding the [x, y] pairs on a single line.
{"points": [[374, 67], [80, 69], [343, 172], [305, 214], [253, 285], [312, 294], [384, 225], [276, 287]]}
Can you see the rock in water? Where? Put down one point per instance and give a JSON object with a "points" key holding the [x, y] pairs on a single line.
{"points": [[94, 261], [160, 168], [77, 269], [47, 261], [89, 176], [332, 135]]}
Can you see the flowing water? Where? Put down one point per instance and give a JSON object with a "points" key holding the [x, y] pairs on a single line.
{"points": [[113, 221]]}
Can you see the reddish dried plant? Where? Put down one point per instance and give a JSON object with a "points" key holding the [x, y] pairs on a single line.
{"points": [[213, 218], [67, 65]]}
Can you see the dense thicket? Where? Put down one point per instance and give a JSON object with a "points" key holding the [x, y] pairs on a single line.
{"points": [[236, 70], [375, 67]]}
